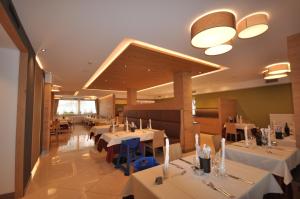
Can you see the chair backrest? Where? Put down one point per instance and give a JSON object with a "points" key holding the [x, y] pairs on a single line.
{"points": [[158, 138], [230, 128], [213, 141], [175, 151], [132, 143]]}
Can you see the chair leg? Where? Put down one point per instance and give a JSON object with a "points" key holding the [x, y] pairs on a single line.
{"points": [[127, 169], [118, 162], [153, 151], [235, 138]]}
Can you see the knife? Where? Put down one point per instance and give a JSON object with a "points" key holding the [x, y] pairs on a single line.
{"points": [[183, 160], [240, 179]]}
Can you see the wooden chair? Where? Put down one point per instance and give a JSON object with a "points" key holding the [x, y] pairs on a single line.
{"points": [[175, 151], [157, 142], [231, 130]]}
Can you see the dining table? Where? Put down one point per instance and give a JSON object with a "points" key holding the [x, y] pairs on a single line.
{"points": [[100, 129], [279, 160], [111, 141], [288, 141], [239, 181]]}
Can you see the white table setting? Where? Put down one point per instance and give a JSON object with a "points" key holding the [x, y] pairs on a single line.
{"points": [[279, 160], [185, 180]]}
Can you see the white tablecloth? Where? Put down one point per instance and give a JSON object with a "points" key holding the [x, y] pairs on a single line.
{"points": [[289, 141], [279, 162], [117, 137], [104, 129], [189, 185]]}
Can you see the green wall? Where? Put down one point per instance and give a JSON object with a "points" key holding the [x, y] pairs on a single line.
{"points": [[254, 104]]}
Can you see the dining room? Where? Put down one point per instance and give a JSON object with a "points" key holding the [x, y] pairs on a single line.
{"points": [[145, 100]]}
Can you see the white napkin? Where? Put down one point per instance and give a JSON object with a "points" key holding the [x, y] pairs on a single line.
{"points": [[269, 136], [141, 124], [126, 124], [222, 164], [150, 125], [167, 155], [246, 135], [197, 147]]}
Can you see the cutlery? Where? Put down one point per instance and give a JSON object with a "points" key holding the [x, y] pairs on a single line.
{"points": [[219, 189], [240, 179], [183, 160]]}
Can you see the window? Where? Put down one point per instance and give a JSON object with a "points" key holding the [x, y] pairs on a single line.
{"points": [[87, 107], [66, 107]]}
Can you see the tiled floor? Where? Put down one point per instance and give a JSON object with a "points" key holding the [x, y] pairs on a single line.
{"points": [[74, 169]]}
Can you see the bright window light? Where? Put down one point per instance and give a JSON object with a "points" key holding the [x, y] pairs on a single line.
{"points": [[87, 107], [67, 107]]}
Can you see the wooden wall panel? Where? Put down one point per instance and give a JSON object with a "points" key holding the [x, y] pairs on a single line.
{"points": [[37, 115], [107, 106], [20, 130], [46, 117], [293, 43]]}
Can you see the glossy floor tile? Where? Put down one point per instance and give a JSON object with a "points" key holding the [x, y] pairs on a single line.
{"points": [[75, 169]]}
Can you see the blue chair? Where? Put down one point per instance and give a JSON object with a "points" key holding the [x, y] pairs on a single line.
{"points": [[144, 163], [130, 150]]}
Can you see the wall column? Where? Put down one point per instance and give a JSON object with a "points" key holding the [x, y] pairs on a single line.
{"points": [[131, 96], [293, 43], [183, 97], [47, 117]]}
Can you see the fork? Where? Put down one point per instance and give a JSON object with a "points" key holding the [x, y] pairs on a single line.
{"points": [[220, 190]]}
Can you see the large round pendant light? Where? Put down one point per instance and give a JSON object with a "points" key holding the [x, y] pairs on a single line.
{"points": [[213, 29], [278, 68], [252, 25], [219, 49], [268, 76]]}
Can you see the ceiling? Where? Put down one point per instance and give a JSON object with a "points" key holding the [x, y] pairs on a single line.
{"points": [[140, 66], [79, 36]]}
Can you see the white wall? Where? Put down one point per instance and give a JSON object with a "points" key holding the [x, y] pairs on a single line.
{"points": [[9, 77]]}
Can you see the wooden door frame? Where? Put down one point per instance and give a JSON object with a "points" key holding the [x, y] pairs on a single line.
{"points": [[14, 34]]}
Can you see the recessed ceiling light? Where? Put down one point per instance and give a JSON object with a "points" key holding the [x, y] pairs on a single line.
{"points": [[219, 49], [43, 50], [252, 25], [213, 29]]}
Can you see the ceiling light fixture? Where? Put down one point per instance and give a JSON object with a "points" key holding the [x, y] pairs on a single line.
{"points": [[219, 49], [43, 50], [213, 28], [252, 25], [55, 88], [278, 68], [268, 76], [76, 93]]}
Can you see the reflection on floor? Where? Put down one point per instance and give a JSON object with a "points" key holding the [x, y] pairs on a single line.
{"points": [[74, 169]]}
